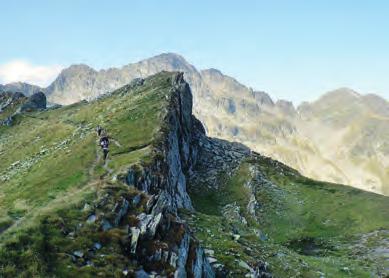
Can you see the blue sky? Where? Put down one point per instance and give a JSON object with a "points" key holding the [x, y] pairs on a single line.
{"points": [[294, 49]]}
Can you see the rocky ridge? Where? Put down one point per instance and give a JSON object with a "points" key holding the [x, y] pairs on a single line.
{"points": [[160, 237], [232, 111], [142, 203], [171, 201]]}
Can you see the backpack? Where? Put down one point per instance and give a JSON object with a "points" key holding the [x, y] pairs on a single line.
{"points": [[104, 142]]}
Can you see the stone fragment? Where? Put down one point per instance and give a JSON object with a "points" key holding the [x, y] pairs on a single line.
{"points": [[135, 232]]}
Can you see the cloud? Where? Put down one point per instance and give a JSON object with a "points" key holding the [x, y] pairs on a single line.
{"points": [[20, 70]]}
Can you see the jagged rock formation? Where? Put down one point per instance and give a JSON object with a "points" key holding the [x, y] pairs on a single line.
{"points": [[165, 180], [169, 201], [178, 153], [231, 111]]}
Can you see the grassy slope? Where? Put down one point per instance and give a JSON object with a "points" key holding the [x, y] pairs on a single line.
{"points": [[303, 227], [50, 168], [56, 172]]}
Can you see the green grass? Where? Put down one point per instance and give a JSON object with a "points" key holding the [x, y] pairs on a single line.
{"points": [[310, 226], [56, 172], [50, 169], [206, 201], [311, 203]]}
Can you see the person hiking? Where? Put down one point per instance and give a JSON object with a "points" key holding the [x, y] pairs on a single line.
{"points": [[104, 144], [99, 130]]}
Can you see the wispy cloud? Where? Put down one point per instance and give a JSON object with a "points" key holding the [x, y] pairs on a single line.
{"points": [[24, 71]]}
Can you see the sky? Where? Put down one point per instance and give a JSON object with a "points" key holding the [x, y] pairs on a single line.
{"points": [[295, 50]]}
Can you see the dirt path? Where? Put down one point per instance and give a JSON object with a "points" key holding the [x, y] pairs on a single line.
{"points": [[105, 166], [70, 196], [92, 168]]}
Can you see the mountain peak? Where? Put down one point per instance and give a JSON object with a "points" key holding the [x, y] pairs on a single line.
{"points": [[78, 68], [173, 59], [170, 56], [342, 92], [212, 71]]}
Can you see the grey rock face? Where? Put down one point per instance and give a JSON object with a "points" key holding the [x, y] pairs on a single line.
{"points": [[135, 232], [179, 151], [182, 257], [121, 210], [164, 182], [202, 267], [148, 224], [216, 156]]}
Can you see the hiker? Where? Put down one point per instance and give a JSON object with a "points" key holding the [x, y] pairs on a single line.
{"points": [[99, 129], [104, 144]]}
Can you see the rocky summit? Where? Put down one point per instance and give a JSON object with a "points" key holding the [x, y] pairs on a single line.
{"points": [[342, 137], [169, 201]]}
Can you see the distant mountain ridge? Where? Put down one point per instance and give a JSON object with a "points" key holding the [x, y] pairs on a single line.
{"points": [[342, 137], [25, 88]]}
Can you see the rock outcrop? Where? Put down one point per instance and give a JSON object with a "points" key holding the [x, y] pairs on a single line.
{"points": [[160, 237], [9, 104], [35, 102], [12, 104], [178, 150]]}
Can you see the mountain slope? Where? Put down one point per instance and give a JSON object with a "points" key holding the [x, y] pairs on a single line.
{"points": [[64, 212], [170, 200], [25, 88], [352, 130], [311, 142]]}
